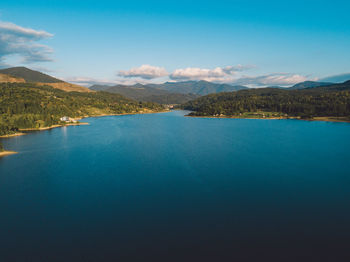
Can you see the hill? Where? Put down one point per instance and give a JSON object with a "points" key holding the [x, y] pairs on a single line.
{"points": [[147, 93], [169, 92], [325, 101], [23, 74], [29, 75], [137, 92], [197, 87], [28, 105]]}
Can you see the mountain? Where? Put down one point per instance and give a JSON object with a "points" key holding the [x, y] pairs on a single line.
{"points": [[309, 84], [337, 78], [137, 92], [169, 92], [324, 101], [147, 93], [197, 87], [26, 75], [99, 87], [333, 87]]}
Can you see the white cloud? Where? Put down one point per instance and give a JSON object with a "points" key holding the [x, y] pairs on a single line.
{"points": [[17, 40], [219, 74], [144, 71], [283, 79], [89, 81]]}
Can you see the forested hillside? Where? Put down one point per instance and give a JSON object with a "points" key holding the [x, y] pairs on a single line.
{"points": [[26, 105], [146, 93], [332, 100]]}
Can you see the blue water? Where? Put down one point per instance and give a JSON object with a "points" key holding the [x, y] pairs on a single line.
{"points": [[163, 187]]}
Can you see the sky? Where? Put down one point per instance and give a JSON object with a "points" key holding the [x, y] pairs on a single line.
{"points": [[254, 43]]}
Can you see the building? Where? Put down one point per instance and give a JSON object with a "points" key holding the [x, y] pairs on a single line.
{"points": [[65, 119]]}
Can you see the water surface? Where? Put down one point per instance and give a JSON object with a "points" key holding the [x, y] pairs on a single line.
{"points": [[163, 187]]}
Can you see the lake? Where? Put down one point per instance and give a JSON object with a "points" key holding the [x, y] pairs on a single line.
{"points": [[164, 187]]}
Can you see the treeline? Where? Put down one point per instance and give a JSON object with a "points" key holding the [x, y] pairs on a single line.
{"points": [[306, 103], [25, 105]]}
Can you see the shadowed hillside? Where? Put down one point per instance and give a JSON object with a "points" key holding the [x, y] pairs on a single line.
{"points": [[331, 100], [146, 93]]}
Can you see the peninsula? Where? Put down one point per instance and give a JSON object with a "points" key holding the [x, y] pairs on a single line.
{"points": [[320, 103]]}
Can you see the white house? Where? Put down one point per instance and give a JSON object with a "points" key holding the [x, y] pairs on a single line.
{"points": [[65, 119]]}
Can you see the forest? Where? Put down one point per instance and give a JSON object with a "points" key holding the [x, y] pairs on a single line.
{"points": [[333, 100], [27, 105]]}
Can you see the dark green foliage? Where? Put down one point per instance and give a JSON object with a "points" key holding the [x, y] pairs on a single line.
{"points": [[25, 105], [1, 148], [333, 100], [171, 98], [146, 93], [309, 84]]}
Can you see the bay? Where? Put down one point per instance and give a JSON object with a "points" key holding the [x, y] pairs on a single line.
{"points": [[164, 187]]}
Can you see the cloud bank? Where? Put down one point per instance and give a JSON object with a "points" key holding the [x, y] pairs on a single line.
{"points": [[17, 40], [283, 79], [144, 72], [219, 74], [228, 74]]}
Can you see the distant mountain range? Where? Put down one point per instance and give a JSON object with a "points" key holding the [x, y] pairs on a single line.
{"points": [[169, 92], [146, 93], [166, 93], [185, 91], [26, 75], [197, 87]]}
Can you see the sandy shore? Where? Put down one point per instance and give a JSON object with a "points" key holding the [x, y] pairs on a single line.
{"points": [[51, 127], [13, 135], [125, 114], [7, 153], [330, 119]]}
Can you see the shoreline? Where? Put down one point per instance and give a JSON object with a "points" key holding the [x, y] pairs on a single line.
{"points": [[124, 114], [321, 118], [7, 153], [13, 135], [72, 124], [52, 127]]}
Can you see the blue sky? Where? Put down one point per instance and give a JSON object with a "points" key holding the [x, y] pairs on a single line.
{"points": [[240, 42]]}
